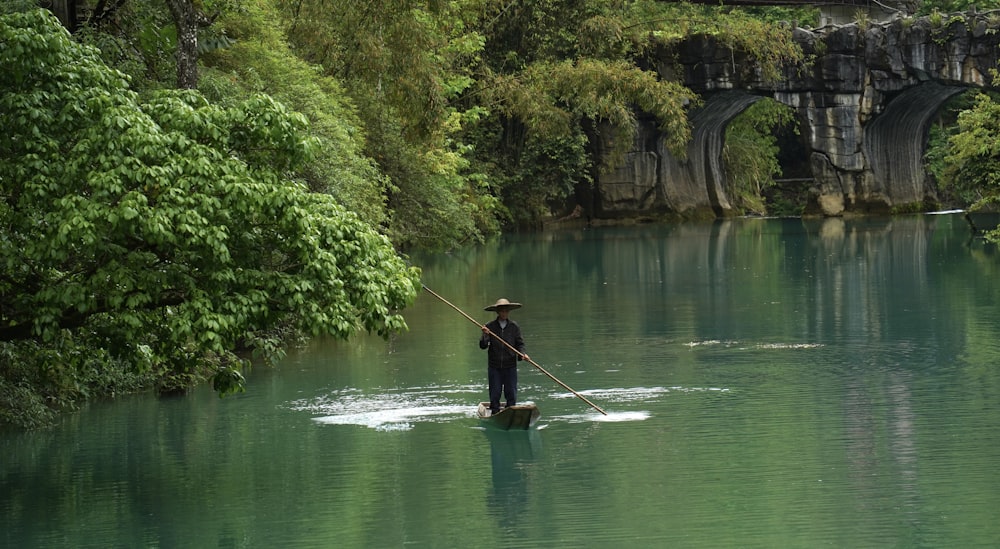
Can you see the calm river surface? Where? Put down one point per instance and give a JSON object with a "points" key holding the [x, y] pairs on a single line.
{"points": [[769, 383]]}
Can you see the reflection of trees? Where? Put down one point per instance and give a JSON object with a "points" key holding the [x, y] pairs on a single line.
{"points": [[512, 458]]}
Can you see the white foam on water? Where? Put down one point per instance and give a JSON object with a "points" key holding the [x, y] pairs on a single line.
{"points": [[788, 345], [635, 394], [612, 417], [616, 417], [398, 419], [393, 409], [619, 396], [708, 343], [742, 346]]}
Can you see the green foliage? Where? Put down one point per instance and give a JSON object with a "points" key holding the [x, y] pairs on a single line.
{"points": [[138, 38], [863, 19], [540, 179], [928, 7], [552, 68], [936, 19], [436, 203], [938, 144], [761, 33], [750, 153], [227, 381], [15, 6], [552, 98], [971, 166], [37, 379], [259, 60], [403, 62], [767, 45], [165, 233], [541, 149]]}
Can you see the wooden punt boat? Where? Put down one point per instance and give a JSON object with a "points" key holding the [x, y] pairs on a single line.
{"points": [[520, 416]]}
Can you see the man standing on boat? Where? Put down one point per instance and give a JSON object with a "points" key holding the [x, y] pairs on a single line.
{"points": [[501, 359]]}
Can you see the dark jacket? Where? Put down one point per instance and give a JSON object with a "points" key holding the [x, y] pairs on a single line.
{"points": [[500, 355]]}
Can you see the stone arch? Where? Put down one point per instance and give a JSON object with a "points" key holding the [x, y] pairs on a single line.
{"points": [[700, 177], [896, 140]]}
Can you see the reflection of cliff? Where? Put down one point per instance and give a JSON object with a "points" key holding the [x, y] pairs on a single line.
{"points": [[881, 443], [512, 458], [861, 266]]}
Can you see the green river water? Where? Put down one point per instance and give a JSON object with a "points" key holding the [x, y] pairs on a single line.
{"points": [[769, 383]]}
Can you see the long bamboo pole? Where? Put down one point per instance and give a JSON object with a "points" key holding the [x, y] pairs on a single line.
{"points": [[519, 353]]}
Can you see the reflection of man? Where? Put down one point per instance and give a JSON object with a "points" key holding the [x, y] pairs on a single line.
{"points": [[513, 457], [502, 359]]}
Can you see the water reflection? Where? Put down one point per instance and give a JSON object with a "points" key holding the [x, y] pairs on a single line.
{"points": [[513, 456], [768, 383]]}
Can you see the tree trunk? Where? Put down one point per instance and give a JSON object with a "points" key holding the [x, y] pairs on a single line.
{"points": [[188, 20]]}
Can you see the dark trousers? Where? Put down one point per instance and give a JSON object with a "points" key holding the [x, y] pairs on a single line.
{"points": [[502, 379]]}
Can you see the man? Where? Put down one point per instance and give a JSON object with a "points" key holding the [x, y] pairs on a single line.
{"points": [[501, 359]]}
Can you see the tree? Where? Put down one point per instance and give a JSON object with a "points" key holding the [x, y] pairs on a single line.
{"points": [[404, 62], [188, 19], [971, 165], [258, 59], [166, 232], [751, 151]]}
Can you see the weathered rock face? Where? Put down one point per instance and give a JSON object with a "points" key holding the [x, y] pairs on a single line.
{"points": [[634, 187], [864, 107]]}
